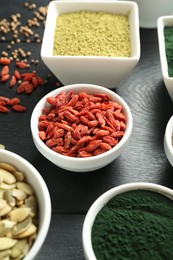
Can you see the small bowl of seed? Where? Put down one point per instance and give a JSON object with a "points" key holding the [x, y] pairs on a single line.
{"points": [[95, 42], [129, 222], [165, 39], [81, 127], [168, 140], [25, 208]]}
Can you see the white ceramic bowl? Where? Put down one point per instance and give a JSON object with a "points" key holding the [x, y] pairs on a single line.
{"points": [[168, 143], [161, 23], [151, 10], [37, 183], [104, 71], [81, 164], [103, 200]]}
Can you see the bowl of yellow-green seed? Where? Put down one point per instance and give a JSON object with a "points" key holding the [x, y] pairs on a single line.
{"points": [[95, 42]]}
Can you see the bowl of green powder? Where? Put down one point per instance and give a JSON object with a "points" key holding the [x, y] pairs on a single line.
{"points": [[95, 42], [130, 221], [165, 39]]}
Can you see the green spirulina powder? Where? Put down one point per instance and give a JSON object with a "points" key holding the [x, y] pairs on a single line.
{"points": [[88, 33], [135, 225], [168, 35]]}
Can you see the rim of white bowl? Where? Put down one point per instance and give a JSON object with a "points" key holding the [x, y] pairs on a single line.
{"points": [[34, 120], [168, 147], [41, 236], [101, 201]]}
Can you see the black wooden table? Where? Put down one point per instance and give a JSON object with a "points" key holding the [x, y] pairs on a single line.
{"points": [[73, 193]]}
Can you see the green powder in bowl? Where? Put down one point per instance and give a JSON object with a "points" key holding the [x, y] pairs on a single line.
{"points": [[88, 33], [136, 224]]}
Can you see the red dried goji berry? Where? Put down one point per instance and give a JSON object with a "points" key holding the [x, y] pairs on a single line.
{"points": [[12, 81], [110, 140], [19, 108], [99, 151], [4, 109], [2, 98], [103, 96], [42, 135], [28, 88], [101, 119], [70, 116], [3, 103], [92, 146], [28, 76], [67, 139], [117, 134], [105, 146], [21, 64], [5, 77], [21, 87], [84, 154], [34, 82], [5, 70], [40, 81], [5, 61], [17, 74], [13, 101], [84, 139]]}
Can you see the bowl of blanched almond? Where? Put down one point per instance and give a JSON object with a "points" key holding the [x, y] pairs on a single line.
{"points": [[25, 208]]}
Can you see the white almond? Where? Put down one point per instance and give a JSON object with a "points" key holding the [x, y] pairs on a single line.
{"points": [[19, 175], [7, 176], [5, 210], [4, 253], [19, 194], [22, 226], [19, 214], [7, 243], [20, 248], [9, 198], [7, 166], [25, 187], [5, 227], [5, 186], [30, 231]]}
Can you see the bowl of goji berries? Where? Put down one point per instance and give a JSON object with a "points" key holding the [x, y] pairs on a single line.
{"points": [[81, 127]]}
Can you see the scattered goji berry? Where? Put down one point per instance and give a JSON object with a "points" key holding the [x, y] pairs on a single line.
{"points": [[3, 103], [5, 77], [21, 87], [17, 74], [21, 64], [5, 61], [28, 88], [5, 99], [13, 101], [12, 81], [4, 109], [28, 76], [40, 81], [19, 108], [5, 70], [34, 81]]}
